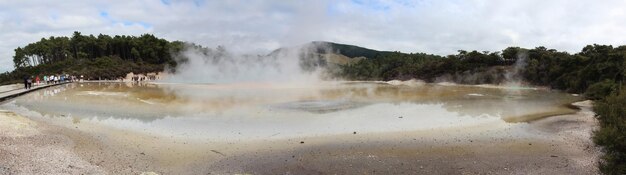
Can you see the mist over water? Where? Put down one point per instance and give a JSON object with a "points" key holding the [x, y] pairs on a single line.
{"points": [[196, 64]]}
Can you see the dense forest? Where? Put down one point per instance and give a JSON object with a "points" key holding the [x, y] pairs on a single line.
{"points": [[597, 71], [95, 57]]}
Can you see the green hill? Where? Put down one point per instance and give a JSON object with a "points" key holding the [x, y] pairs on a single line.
{"points": [[324, 47], [350, 51]]}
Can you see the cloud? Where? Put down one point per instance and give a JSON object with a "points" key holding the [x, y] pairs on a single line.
{"points": [[440, 27]]}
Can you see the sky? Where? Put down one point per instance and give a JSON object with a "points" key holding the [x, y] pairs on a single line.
{"points": [[251, 26]]}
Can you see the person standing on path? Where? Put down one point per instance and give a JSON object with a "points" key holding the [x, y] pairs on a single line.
{"points": [[25, 82], [29, 82], [37, 80]]}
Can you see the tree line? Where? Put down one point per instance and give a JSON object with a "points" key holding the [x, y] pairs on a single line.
{"points": [[96, 57], [427, 67], [145, 48]]}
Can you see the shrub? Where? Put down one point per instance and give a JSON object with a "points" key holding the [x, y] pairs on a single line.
{"points": [[611, 112], [600, 90]]}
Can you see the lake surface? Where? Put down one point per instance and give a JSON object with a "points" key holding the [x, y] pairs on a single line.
{"points": [[273, 111]]}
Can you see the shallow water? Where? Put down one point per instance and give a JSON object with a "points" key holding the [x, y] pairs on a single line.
{"points": [[269, 111]]}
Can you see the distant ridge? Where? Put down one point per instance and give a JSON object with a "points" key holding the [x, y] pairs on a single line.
{"points": [[350, 51]]}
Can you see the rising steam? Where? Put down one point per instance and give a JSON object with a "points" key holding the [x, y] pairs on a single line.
{"points": [[197, 64], [514, 77]]}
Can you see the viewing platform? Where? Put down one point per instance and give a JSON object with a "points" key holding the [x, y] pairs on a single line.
{"points": [[12, 93]]}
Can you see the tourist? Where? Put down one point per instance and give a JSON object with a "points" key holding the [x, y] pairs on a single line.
{"points": [[37, 80], [25, 82], [45, 79], [29, 82]]}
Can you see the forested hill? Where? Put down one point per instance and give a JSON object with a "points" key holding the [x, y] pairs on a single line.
{"points": [[101, 56], [325, 47], [346, 50]]}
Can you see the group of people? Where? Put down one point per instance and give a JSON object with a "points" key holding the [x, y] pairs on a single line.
{"points": [[47, 79], [138, 77]]}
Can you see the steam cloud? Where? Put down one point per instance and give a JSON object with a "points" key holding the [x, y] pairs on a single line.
{"points": [[198, 64], [514, 77]]}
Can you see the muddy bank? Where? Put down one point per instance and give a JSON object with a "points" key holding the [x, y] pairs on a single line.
{"points": [[559, 144]]}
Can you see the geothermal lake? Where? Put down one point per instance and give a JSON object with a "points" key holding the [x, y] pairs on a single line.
{"points": [[391, 127], [273, 111]]}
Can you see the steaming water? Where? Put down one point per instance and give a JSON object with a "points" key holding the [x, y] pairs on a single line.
{"points": [[267, 111]]}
